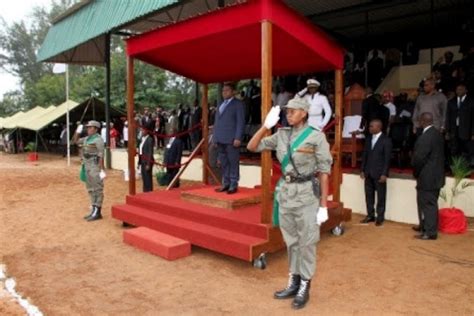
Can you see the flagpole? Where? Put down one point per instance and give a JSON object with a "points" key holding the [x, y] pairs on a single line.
{"points": [[67, 118]]}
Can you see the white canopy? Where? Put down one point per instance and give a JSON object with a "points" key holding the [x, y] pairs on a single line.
{"points": [[39, 122]]}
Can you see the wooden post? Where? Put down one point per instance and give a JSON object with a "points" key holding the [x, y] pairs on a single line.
{"points": [[205, 134], [337, 170], [131, 125], [266, 158]]}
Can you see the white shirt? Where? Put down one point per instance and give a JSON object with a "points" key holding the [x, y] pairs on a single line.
{"points": [[319, 109], [125, 133], [103, 134], [142, 143], [391, 107], [460, 100], [426, 128], [375, 138]]}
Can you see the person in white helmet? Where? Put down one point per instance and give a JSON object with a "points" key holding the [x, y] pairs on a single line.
{"points": [[319, 111]]}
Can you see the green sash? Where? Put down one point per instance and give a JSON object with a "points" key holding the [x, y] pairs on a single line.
{"points": [[82, 172], [284, 163]]}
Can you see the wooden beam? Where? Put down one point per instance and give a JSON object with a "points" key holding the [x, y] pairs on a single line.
{"points": [[337, 170], [131, 125], [266, 158], [205, 134]]}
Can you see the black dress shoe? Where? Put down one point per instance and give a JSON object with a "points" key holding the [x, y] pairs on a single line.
{"points": [[367, 219], [232, 191], [378, 223], [426, 237], [291, 289], [223, 189], [417, 228]]}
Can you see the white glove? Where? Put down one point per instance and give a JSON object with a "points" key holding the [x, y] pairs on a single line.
{"points": [[79, 129], [272, 117], [322, 215], [102, 175]]}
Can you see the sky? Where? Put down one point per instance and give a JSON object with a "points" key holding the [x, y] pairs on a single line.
{"points": [[14, 11]]}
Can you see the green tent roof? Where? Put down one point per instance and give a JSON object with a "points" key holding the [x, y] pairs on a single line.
{"points": [[78, 35]]}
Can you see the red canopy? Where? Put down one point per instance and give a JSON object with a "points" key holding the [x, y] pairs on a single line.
{"points": [[226, 44]]}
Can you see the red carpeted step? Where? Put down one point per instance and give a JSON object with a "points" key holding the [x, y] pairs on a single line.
{"points": [[157, 243], [169, 203], [206, 236]]}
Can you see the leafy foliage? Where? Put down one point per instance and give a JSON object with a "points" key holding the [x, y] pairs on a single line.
{"points": [[461, 170], [19, 42]]}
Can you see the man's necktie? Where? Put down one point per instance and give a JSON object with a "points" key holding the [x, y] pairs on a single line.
{"points": [[223, 106]]}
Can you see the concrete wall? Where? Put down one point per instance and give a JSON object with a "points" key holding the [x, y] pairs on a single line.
{"points": [[404, 78], [401, 193]]}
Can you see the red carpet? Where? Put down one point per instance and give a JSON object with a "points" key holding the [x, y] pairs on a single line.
{"points": [[235, 233], [152, 241]]}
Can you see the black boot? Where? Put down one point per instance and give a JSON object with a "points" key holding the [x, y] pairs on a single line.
{"points": [[95, 214], [291, 289], [90, 214], [302, 296]]}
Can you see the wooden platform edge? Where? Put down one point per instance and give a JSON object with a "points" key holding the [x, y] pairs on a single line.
{"points": [[225, 204]]}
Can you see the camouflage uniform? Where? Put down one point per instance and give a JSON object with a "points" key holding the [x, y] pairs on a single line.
{"points": [[298, 204], [92, 152]]}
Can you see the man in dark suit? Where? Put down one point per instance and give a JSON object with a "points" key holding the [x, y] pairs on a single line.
{"points": [[196, 119], [172, 158], [145, 158], [460, 124], [228, 131], [428, 169], [372, 109], [374, 170]]}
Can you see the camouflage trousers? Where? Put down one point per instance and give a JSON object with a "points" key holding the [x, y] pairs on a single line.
{"points": [[94, 185]]}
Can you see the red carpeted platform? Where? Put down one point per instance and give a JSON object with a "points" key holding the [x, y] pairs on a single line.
{"points": [[208, 196], [152, 241], [237, 233]]}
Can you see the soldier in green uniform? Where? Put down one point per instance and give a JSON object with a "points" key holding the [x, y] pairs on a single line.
{"points": [[300, 205], [92, 169]]}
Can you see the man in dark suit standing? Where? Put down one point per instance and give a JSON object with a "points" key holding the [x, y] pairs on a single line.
{"points": [[428, 169], [372, 109], [374, 170], [196, 119], [145, 158], [172, 159], [460, 124], [227, 136]]}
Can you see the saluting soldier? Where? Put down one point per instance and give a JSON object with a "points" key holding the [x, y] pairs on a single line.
{"points": [[300, 205], [92, 169]]}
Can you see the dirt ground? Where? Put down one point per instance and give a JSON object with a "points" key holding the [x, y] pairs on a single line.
{"points": [[67, 266]]}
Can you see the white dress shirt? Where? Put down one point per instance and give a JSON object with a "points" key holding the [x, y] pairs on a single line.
{"points": [[460, 101], [142, 144], [125, 133], [391, 107], [319, 109], [426, 128], [375, 138]]}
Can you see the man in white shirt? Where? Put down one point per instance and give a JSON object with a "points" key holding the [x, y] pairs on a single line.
{"points": [[103, 133], [125, 134], [146, 159], [388, 103], [319, 111]]}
